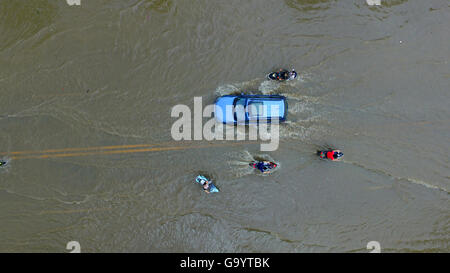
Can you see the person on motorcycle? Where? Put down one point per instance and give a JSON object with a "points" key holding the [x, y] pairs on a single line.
{"points": [[265, 166], [205, 185], [283, 75], [2, 163], [334, 154]]}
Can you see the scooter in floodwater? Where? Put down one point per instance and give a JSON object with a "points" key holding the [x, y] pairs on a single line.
{"points": [[2, 163], [263, 166], [207, 184], [330, 154], [282, 75]]}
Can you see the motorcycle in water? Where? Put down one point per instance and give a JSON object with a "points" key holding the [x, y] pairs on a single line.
{"points": [[282, 75], [263, 166], [330, 154], [2, 163], [202, 180]]}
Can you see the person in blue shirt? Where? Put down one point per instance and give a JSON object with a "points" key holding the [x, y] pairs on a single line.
{"points": [[264, 166]]}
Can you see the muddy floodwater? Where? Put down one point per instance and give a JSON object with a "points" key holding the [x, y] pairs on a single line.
{"points": [[86, 93]]}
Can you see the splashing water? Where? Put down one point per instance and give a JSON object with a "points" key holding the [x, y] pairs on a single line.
{"points": [[240, 166], [268, 87]]}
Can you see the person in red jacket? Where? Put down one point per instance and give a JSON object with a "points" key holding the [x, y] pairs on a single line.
{"points": [[331, 154]]}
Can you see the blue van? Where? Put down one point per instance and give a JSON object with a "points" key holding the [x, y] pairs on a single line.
{"points": [[246, 109]]}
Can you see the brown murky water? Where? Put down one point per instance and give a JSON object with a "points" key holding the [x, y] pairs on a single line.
{"points": [[86, 93]]}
